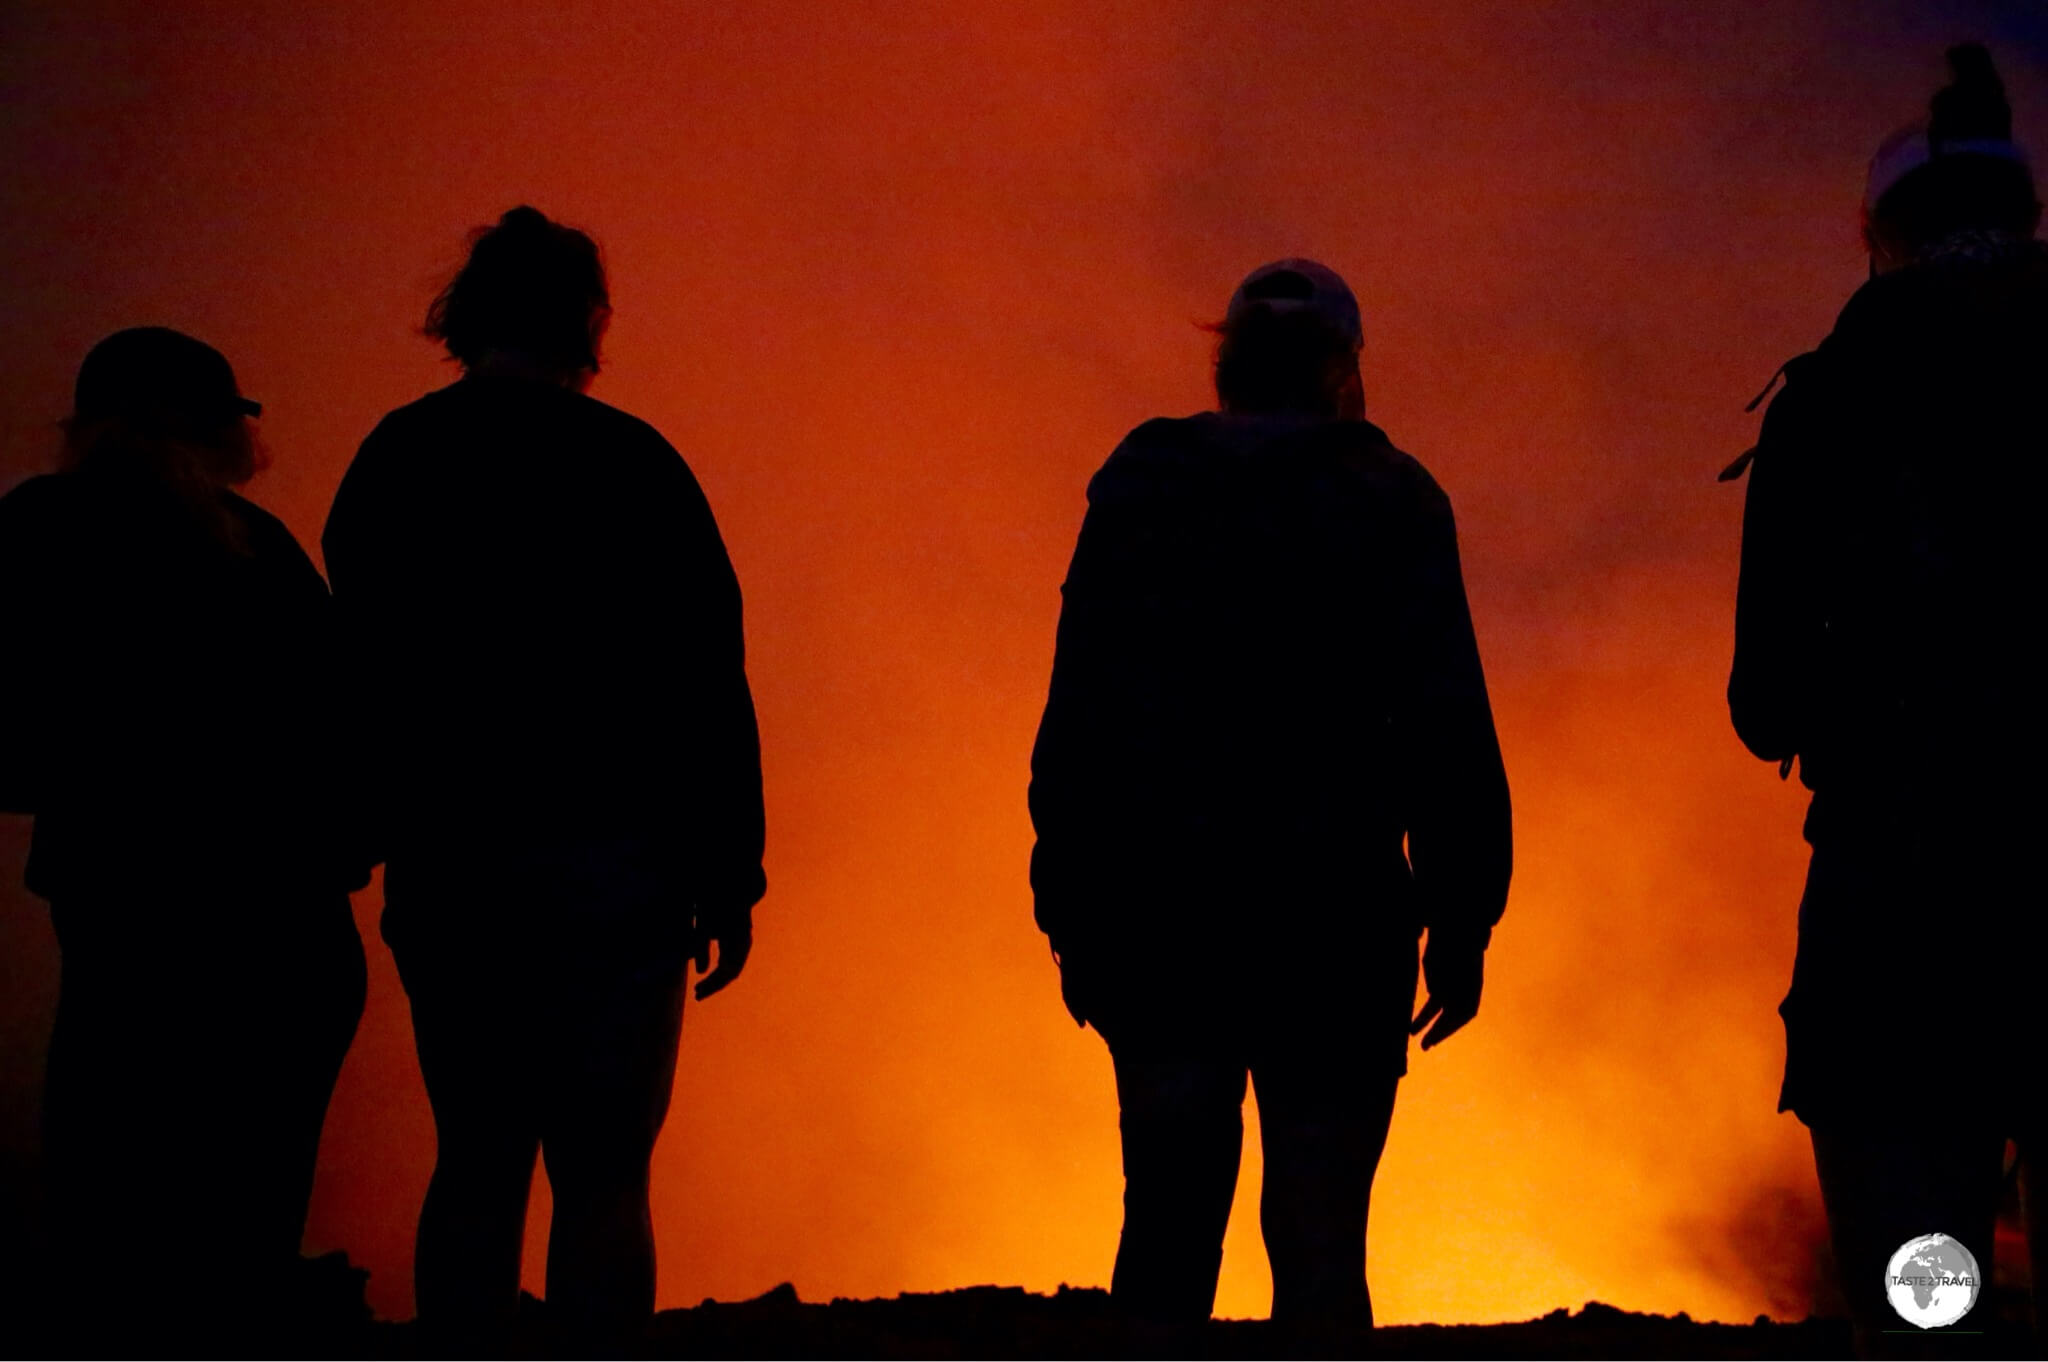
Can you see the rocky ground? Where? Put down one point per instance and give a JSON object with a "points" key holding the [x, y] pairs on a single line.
{"points": [[1008, 1322]]}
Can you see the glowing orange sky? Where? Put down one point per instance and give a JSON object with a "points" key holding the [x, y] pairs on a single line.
{"points": [[895, 279]]}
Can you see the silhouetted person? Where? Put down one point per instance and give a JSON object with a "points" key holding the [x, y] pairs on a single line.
{"points": [[1887, 621], [1266, 678], [170, 685], [567, 773]]}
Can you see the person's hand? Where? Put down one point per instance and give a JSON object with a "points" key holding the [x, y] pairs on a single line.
{"points": [[733, 932], [1074, 991], [1454, 968], [1079, 961]]}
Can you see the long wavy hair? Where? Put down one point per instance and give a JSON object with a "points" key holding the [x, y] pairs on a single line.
{"points": [[195, 461]]}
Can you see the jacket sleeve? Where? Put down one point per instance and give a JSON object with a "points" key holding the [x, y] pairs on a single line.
{"points": [[350, 530], [23, 758], [1779, 620], [1460, 829], [356, 543], [316, 704], [723, 797], [1069, 789]]}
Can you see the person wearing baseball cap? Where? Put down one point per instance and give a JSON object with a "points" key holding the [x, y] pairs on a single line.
{"points": [[157, 396], [171, 678], [161, 377], [1887, 615], [1265, 681]]}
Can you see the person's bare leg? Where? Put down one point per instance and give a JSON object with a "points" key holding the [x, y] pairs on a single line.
{"points": [[473, 1009], [472, 1234], [604, 1121], [601, 1252], [1183, 1135], [1882, 1187], [1321, 1152]]}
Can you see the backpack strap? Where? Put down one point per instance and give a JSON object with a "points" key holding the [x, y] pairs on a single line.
{"points": [[1739, 467], [1748, 456]]}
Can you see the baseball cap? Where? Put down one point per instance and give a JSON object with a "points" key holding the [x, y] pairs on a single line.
{"points": [[160, 376], [1297, 285]]}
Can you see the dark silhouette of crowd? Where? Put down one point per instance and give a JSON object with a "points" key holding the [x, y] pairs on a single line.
{"points": [[525, 696]]}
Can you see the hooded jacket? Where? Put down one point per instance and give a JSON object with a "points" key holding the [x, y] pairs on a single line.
{"points": [[1888, 618], [1265, 679], [548, 635]]}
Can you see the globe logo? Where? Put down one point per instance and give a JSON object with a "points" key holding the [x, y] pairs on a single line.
{"points": [[1932, 1281]]}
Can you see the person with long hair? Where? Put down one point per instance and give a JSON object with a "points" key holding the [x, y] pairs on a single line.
{"points": [[1887, 623], [564, 771], [1265, 682], [171, 682]]}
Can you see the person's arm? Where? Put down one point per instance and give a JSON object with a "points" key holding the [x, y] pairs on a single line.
{"points": [[336, 735], [1083, 762], [725, 801], [1460, 830], [1063, 814], [23, 759], [1779, 619], [357, 544]]}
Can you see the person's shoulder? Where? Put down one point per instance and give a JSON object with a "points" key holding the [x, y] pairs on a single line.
{"points": [[268, 536], [1148, 451], [472, 400], [1167, 436], [542, 410], [1811, 383], [1973, 287], [414, 421], [38, 495], [45, 507], [255, 519], [1377, 465], [1163, 451], [631, 448], [621, 428], [1189, 453], [1876, 312], [1809, 376], [1168, 432], [427, 406], [1962, 280]]}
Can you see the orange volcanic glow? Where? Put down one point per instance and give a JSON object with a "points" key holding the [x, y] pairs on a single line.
{"points": [[895, 279]]}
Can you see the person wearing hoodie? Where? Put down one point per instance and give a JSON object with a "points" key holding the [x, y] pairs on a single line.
{"points": [[1267, 766], [564, 778], [1888, 612]]}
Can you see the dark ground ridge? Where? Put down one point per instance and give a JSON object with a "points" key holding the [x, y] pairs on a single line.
{"points": [[986, 1322], [1009, 1322]]}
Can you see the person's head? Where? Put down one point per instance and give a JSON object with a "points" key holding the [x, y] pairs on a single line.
{"points": [[1289, 343], [1960, 171], [154, 402], [531, 298]]}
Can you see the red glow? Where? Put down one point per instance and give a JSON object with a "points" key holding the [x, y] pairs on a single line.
{"points": [[895, 280]]}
